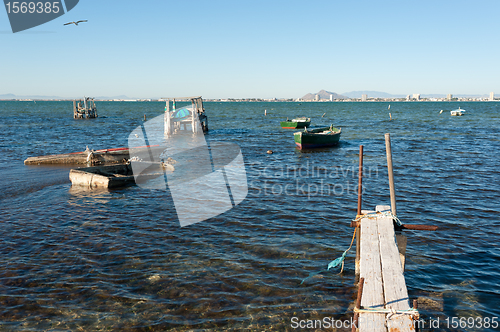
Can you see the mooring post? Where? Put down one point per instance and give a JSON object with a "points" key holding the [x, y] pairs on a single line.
{"points": [[360, 196], [360, 179], [167, 121], [358, 304], [415, 306], [391, 173]]}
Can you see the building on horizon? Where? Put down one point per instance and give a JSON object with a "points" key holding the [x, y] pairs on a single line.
{"points": [[492, 96], [316, 97], [364, 97], [408, 98], [449, 97], [416, 96], [331, 97]]}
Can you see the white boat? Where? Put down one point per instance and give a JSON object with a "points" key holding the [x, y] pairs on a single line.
{"points": [[458, 112]]}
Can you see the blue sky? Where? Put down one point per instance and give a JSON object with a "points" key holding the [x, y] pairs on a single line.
{"points": [[247, 49]]}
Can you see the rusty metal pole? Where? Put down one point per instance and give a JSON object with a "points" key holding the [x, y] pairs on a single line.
{"points": [[391, 173], [358, 304], [415, 306]]}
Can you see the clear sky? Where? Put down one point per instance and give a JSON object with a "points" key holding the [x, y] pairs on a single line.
{"points": [[249, 49]]}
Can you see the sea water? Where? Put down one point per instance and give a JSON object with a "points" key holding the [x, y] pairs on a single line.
{"points": [[93, 260]]}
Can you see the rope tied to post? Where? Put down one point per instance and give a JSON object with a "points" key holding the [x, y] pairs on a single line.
{"points": [[336, 262], [378, 214]]}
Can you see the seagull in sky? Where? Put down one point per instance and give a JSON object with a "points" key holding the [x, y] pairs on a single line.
{"points": [[75, 23]]}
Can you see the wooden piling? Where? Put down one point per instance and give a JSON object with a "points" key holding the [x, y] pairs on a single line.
{"points": [[360, 179], [391, 173], [360, 196]]}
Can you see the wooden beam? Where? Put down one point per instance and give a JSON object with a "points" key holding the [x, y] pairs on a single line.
{"points": [[391, 173], [395, 292], [370, 270]]}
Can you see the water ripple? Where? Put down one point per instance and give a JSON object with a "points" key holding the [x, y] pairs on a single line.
{"points": [[117, 259]]}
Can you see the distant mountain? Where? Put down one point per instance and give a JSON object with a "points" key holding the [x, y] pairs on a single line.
{"points": [[115, 97], [37, 97], [371, 94], [13, 96], [323, 95]]}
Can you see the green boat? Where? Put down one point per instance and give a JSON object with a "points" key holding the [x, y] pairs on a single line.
{"points": [[295, 123], [317, 138]]}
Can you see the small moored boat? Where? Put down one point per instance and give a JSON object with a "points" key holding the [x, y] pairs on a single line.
{"points": [[317, 138], [458, 112], [114, 176], [295, 123]]}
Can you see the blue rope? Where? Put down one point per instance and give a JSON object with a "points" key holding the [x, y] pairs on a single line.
{"points": [[340, 260], [331, 265]]}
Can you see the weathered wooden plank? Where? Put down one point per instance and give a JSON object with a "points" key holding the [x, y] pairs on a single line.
{"points": [[358, 244], [370, 269], [395, 292]]}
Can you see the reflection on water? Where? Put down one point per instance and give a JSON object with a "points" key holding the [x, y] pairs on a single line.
{"points": [[75, 259]]}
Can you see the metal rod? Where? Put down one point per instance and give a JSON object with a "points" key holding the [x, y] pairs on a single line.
{"points": [[391, 173], [420, 227], [360, 179], [358, 303], [415, 306]]}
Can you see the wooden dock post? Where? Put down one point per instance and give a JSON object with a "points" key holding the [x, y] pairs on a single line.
{"points": [[360, 179], [360, 197], [400, 238], [167, 121], [391, 173]]}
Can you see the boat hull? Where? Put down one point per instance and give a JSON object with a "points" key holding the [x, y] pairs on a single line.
{"points": [[457, 112], [293, 124], [312, 140], [102, 177], [115, 176]]}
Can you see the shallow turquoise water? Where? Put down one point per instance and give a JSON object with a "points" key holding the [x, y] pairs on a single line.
{"points": [[118, 260]]}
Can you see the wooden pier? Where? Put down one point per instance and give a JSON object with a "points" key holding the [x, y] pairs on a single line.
{"points": [[384, 303], [94, 157], [85, 109], [179, 119]]}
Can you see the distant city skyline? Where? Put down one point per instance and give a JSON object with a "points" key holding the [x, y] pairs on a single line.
{"points": [[319, 97], [255, 49]]}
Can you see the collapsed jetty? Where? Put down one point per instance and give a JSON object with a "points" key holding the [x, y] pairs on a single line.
{"points": [[84, 109]]}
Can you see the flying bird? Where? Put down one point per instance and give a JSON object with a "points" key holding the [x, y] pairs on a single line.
{"points": [[75, 23]]}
